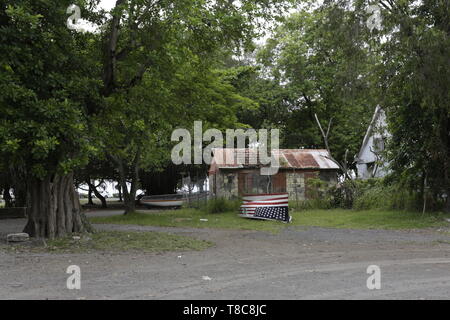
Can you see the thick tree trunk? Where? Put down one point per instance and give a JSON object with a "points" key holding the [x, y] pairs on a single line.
{"points": [[130, 204], [129, 196], [54, 208], [119, 188]]}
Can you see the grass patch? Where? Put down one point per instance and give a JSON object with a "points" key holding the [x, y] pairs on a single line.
{"points": [[369, 219], [191, 218], [221, 205], [114, 241], [336, 218]]}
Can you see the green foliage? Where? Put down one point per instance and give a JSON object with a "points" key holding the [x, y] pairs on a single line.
{"points": [[415, 77], [342, 195], [318, 195], [321, 64], [64, 98], [374, 194], [316, 188], [379, 194], [167, 77], [43, 129], [67, 98]]}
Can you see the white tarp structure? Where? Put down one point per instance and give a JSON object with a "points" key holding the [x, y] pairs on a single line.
{"points": [[369, 161]]}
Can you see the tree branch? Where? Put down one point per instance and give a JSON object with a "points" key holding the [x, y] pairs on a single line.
{"points": [[109, 75], [342, 167]]}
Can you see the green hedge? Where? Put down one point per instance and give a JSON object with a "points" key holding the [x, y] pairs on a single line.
{"points": [[221, 205], [378, 194], [319, 196], [359, 195]]}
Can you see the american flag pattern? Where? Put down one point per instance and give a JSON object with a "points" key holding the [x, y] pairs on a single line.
{"points": [[267, 207]]}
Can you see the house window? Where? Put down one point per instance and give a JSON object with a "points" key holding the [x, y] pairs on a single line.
{"points": [[254, 183], [228, 182]]}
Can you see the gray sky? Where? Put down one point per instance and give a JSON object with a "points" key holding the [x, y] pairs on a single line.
{"points": [[107, 4]]}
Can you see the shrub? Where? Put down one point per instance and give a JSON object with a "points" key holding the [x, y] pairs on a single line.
{"points": [[342, 195], [221, 205], [318, 196], [361, 195], [373, 197], [380, 194]]}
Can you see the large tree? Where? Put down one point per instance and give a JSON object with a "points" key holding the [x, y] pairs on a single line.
{"points": [[43, 128], [415, 77], [158, 73], [68, 95], [320, 61]]}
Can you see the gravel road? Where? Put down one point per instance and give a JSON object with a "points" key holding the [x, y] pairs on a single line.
{"points": [[298, 263]]}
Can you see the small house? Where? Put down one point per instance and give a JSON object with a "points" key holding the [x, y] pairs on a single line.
{"points": [[236, 172]]}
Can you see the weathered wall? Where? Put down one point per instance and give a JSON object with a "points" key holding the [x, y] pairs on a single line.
{"points": [[296, 187], [227, 185], [296, 182]]}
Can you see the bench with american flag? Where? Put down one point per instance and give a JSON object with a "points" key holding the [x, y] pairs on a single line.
{"points": [[266, 207]]}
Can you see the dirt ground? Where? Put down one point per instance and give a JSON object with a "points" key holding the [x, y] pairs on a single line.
{"points": [[298, 263]]}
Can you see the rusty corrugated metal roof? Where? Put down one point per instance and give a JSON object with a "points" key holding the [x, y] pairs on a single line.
{"points": [[288, 158]]}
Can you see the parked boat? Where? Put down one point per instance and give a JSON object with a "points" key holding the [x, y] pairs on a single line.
{"points": [[165, 200]]}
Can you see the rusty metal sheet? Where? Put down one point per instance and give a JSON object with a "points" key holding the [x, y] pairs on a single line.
{"points": [[289, 158]]}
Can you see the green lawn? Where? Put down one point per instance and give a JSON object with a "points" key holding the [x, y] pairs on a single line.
{"points": [[191, 218], [114, 241], [370, 219], [337, 218]]}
